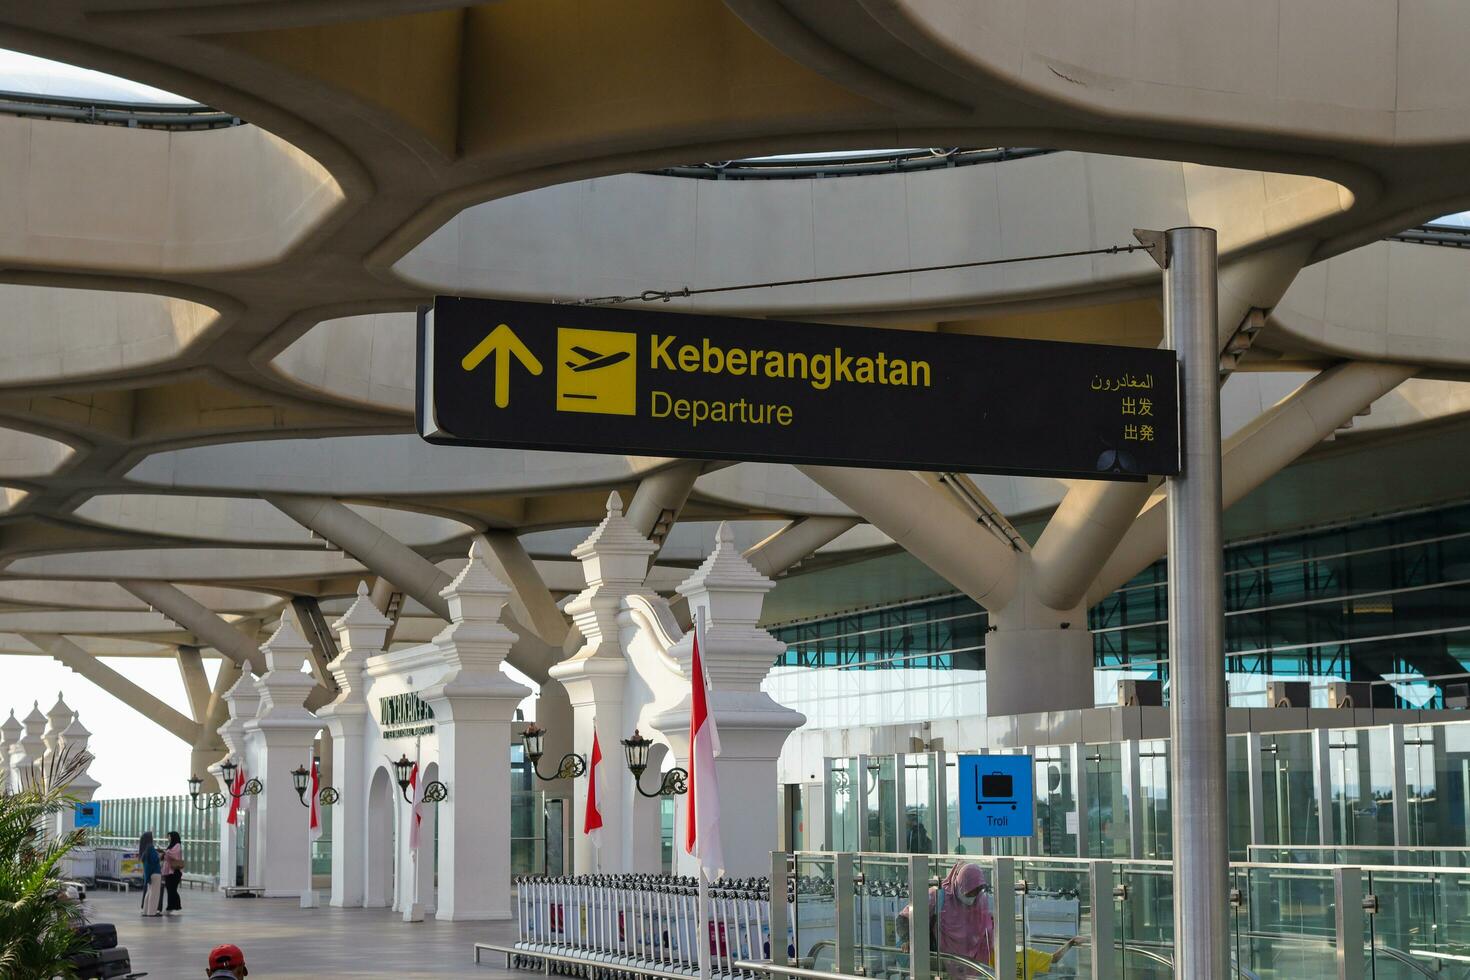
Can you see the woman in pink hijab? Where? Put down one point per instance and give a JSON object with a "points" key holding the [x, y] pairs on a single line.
{"points": [[959, 918]]}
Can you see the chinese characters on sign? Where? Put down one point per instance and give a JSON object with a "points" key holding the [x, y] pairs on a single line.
{"points": [[1137, 403]]}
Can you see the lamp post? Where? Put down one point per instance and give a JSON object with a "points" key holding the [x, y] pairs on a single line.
{"points": [[301, 779], [212, 801], [675, 782], [434, 792], [533, 739]]}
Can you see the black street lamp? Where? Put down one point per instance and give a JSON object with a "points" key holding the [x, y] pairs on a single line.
{"points": [[434, 792], [572, 765], [675, 781], [301, 779], [211, 800], [227, 771]]}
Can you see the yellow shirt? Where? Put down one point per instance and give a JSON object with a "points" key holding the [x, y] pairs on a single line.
{"points": [[1032, 963]]}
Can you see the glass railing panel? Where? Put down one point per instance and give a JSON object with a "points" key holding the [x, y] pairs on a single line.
{"points": [[814, 913], [1144, 920], [882, 892], [1054, 919], [1423, 915], [972, 933], [1290, 925]]}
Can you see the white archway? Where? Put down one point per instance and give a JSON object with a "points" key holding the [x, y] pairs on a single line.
{"points": [[382, 842]]}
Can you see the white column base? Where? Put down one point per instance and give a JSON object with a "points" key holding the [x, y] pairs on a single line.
{"points": [[310, 899]]}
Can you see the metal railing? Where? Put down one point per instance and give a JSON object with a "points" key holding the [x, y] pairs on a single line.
{"points": [[852, 164], [104, 112], [646, 925]]}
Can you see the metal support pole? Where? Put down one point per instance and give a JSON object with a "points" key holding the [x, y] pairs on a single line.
{"points": [[1347, 885], [845, 931], [1196, 616], [1257, 774], [1003, 907], [780, 870], [1100, 884], [1322, 785], [1398, 761], [919, 917]]}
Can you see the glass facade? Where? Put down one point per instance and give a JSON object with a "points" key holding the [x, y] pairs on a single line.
{"points": [[123, 821], [1384, 601], [1326, 794]]}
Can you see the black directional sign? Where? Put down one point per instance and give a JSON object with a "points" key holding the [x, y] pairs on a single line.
{"points": [[632, 381]]}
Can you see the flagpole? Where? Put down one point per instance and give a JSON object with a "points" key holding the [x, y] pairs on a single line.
{"points": [[414, 911], [701, 912], [309, 898], [701, 902]]}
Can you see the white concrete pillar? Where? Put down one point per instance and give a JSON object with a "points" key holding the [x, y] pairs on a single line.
{"points": [[737, 655], [361, 633], [473, 706], [242, 704], [1037, 658], [283, 733], [615, 563]]}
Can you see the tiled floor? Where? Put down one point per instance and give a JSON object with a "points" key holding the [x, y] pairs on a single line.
{"points": [[283, 941]]}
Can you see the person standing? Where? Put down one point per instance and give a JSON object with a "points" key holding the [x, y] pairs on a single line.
{"points": [[173, 872], [152, 874]]}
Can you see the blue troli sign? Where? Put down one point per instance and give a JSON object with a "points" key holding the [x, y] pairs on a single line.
{"points": [[997, 796]]}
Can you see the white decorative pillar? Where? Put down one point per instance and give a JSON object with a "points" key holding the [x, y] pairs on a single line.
{"points": [[72, 740], [56, 721], [243, 702], [360, 635], [10, 735], [473, 706], [737, 655], [283, 733], [30, 750], [615, 563]]}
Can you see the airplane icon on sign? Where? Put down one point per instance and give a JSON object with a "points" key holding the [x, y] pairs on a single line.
{"points": [[592, 360]]}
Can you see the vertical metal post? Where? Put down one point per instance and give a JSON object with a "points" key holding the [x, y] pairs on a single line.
{"points": [[864, 784], [1003, 908], [1081, 798], [1100, 884], [842, 904], [1133, 789], [1196, 615], [1322, 785], [780, 869], [1399, 762], [1256, 772], [1347, 885], [919, 917]]}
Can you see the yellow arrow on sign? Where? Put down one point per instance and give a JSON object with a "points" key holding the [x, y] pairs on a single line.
{"points": [[503, 342]]}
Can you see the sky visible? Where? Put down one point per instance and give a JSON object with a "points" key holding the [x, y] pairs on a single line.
{"points": [[135, 757], [38, 76]]}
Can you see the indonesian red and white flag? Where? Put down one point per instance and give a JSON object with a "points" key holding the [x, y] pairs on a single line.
{"points": [[238, 800], [592, 821], [702, 804], [316, 819], [417, 787]]}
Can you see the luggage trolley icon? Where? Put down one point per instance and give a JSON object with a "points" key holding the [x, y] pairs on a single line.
{"points": [[995, 789]]}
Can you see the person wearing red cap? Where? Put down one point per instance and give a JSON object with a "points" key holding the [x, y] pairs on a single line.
{"points": [[226, 963]]}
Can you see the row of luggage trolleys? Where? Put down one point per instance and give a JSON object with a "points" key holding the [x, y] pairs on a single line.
{"points": [[637, 924]]}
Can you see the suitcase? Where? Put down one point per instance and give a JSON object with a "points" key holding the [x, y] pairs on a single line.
{"points": [[103, 935], [104, 964]]}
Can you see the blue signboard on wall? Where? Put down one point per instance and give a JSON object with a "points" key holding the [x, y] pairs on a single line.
{"points": [[997, 796], [89, 814]]}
